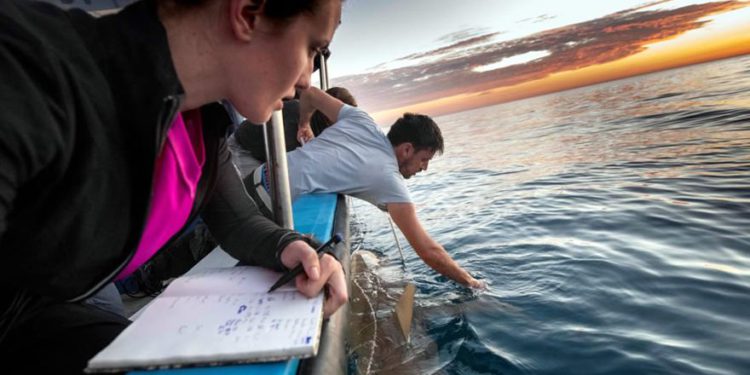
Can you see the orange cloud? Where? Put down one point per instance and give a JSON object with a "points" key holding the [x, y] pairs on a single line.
{"points": [[671, 54], [576, 55]]}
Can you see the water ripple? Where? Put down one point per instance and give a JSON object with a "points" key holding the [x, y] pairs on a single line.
{"points": [[611, 223]]}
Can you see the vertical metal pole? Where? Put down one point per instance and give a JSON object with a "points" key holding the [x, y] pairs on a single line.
{"points": [[278, 172], [267, 140], [323, 63], [273, 131]]}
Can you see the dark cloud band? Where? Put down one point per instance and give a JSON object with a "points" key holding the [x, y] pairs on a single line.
{"points": [[451, 70]]}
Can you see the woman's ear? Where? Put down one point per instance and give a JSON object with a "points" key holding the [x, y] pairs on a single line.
{"points": [[243, 17]]}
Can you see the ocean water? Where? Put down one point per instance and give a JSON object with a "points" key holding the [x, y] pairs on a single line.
{"points": [[612, 223]]}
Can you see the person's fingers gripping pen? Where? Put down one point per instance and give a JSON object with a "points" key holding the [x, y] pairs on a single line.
{"points": [[318, 273]]}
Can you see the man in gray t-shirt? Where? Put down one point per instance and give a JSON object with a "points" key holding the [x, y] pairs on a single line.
{"points": [[353, 156]]}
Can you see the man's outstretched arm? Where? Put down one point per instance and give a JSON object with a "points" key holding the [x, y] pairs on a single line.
{"points": [[405, 217]]}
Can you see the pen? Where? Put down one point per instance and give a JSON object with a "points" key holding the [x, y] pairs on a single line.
{"points": [[298, 270]]}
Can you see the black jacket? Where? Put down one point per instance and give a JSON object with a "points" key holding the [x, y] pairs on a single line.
{"points": [[85, 104]]}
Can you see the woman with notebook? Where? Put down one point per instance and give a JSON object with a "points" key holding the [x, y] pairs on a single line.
{"points": [[104, 158]]}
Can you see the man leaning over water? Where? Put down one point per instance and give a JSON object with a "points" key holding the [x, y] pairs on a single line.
{"points": [[354, 157]]}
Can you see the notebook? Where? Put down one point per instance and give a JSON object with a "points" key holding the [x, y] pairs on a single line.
{"points": [[217, 316]]}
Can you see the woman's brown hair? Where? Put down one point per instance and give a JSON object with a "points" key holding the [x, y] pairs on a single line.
{"points": [[280, 10]]}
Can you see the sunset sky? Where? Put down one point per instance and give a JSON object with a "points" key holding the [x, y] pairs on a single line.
{"points": [[441, 56]]}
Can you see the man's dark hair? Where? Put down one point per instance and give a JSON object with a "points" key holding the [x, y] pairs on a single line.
{"points": [[419, 130], [318, 121]]}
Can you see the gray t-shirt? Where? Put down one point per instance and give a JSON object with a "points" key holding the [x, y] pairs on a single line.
{"points": [[352, 157]]}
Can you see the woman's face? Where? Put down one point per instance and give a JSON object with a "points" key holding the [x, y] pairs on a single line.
{"points": [[278, 59]]}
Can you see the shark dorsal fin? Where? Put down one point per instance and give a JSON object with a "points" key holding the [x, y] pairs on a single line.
{"points": [[405, 309]]}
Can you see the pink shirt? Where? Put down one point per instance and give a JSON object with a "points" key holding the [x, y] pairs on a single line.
{"points": [[176, 175]]}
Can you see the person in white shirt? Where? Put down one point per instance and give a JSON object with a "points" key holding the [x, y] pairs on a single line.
{"points": [[354, 157]]}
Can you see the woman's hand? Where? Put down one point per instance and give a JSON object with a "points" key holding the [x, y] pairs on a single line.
{"points": [[319, 273]]}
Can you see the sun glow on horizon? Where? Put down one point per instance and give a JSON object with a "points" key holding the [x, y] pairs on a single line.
{"points": [[725, 35]]}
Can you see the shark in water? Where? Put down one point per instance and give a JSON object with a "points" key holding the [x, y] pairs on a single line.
{"points": [[375, 337]]}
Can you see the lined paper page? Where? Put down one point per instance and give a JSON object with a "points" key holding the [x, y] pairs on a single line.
{"points": [[218, 324], [243, 279]]}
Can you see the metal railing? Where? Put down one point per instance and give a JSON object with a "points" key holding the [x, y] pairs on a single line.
{"points": [[277, 166], [278, 172]]}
